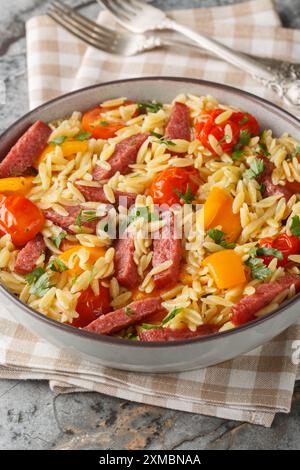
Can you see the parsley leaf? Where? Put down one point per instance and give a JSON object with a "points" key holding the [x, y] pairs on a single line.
{"points": [[58, 140], [104, 123], [83, 135], [152, 106], [218, 237], [258, 269], [244, 140], [32, 277], [85, 216], [57, 240], [244, 120], [188, 197], [264, 149], [171, 315], [128, 311], [263, 251], [295, 227], [161, 139], [147, 326], [257, 167], [57, 266], [41, 286]]}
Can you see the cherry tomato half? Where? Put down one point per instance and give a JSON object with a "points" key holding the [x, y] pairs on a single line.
{"points": [[238, 122], [94, 122], [21, 218], [286, 244], [168, 185], [91, 306]]}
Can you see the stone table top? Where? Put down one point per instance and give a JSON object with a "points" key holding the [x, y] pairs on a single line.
{"points": [[31, 416]]}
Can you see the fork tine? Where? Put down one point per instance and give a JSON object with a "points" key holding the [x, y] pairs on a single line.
{"points": [[84, 21], [84, 36], [117, 9]]}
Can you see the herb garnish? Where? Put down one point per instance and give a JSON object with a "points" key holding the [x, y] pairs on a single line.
{"points": [[57, 266], [224, 138], [161, 139], [237, 150], [41, 285], [85, 216], [168, 317], [264, 149], [295, 226], [244, 120], [152, 106], [218, 237], [32, 277], [257, 167], [128, 311], [258, 269], [57, 240], [264, 251], [58, 140], [187, 197], [83, 135]]}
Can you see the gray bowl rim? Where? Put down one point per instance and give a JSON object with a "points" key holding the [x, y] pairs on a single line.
{"points": [[154, 344]]}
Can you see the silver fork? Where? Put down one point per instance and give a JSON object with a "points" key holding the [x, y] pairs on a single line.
{"points": [[124, 43], [140, 17]]}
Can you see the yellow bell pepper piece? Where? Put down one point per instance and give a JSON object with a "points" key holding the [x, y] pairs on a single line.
{"points": [[16, 185], [226, 268], [218, 211], [69, 149], [94, 254]]}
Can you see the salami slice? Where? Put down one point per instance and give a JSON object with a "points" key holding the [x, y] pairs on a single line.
{"points": [[28, 256], [178, 126]]}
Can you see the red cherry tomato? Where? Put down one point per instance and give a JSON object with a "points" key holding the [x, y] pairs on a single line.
{"points": [[21, 218], [100, 128], [238, 122], [91, 306], [286, 244], [168, 184]]}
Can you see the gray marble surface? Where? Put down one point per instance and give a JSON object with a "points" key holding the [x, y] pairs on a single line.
{"points": [[31, 417]]}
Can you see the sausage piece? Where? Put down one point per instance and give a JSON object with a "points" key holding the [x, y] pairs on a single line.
{"points": [[28, 256], [246, 308], [167, 247], [124, 155], [26, 151], [124, 317], [64, 221], [178, 126], [97, 195], [270, 189], [167, 334], [125, 267]]}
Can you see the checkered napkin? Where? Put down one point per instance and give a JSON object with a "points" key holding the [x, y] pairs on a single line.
{"points": [[253, 387]]}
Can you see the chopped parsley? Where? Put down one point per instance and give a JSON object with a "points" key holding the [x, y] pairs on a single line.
{"points": [[41, 286], [224, 138], [161, 139], [187, 197], [244, 120], [257, 167], [128, 311], [58, 140], [57, 266], [104, 123], [85, 216], [32, 277], [218, 237], [57, 240], [83, 135], [264, 251], [295, 226], [152, 106], [148, 326], [258, 269], [264, 149], [171, 315], [237, 150]]}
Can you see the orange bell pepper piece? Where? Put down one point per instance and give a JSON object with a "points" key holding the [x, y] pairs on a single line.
{"points": [[218, 211], [16, 185], [226, 267], [94, 254], [69, 149]]}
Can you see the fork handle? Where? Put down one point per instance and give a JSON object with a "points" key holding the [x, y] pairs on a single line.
{"points": [[226, 53]]}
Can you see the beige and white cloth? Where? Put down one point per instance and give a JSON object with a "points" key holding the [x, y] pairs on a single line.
{"points": [[253, 387]]}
